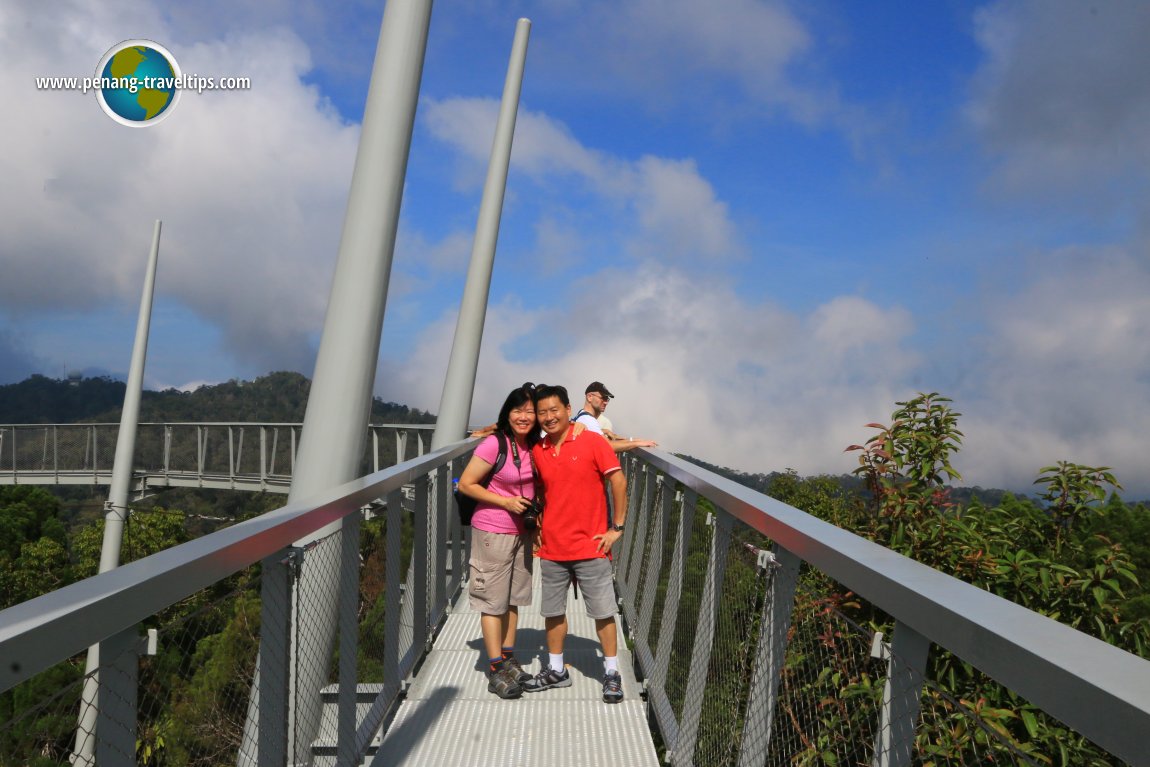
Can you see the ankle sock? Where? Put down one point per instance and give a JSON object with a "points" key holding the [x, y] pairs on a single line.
{"points": [[508, 652], [610, 664], [493, 663], [556, 662]]}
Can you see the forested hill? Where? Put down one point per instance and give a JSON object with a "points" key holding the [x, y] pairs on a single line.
{"points": [[277, 397]]}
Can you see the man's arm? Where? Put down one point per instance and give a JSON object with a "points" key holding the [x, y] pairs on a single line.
{"points": [[619, 495], [623, 445], [618, 484]]}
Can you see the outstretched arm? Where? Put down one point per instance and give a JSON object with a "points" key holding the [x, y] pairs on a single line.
{"points": [[623, 445]]}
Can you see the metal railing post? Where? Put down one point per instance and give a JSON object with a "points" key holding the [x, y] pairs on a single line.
{"points": [[654, 567], [116, 699], [347, 752], [273, 675], [263, 456], [642, 519], [459, 533], [201, 449], [630, 467], [683, 750], [775, 623], [438, 570], [419, 563], [391, 675], [901, 697], [657, 681]]}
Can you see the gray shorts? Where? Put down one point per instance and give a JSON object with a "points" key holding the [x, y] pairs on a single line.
{"points": [[500, 571], [596, 586]]}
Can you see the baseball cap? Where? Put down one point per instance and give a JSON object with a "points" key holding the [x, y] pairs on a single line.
{"points": [[596, 386]]}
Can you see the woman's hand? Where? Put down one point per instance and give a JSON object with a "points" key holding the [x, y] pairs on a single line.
{"points": [[516, 505]]}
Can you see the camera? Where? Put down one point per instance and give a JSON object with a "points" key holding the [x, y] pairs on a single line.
{"points": [[532, 513]]}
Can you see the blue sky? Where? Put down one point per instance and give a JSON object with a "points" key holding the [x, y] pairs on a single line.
{"points": [[761, 224]]}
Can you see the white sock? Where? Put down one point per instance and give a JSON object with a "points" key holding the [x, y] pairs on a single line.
{"points": [[610, 664], [557, 662]]}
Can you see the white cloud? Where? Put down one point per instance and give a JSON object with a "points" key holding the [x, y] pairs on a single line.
{"points": [[1065, 373], [1062, 374], [250, 184], [665, 206], [1062, 99], [679, 213], [542, 148], [692, 365], [680, 51]]}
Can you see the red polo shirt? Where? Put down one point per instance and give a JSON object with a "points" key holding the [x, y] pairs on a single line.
{"points": [[573, 485]]}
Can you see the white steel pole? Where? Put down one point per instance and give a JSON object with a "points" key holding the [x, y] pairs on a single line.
{"points": [[459, 384], [339, 405], [116, 507]]}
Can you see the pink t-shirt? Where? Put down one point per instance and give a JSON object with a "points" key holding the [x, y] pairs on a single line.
{"points": [[510, 481]]}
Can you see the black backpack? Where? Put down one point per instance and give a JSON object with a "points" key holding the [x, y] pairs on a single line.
{"points": [[465, 503]]}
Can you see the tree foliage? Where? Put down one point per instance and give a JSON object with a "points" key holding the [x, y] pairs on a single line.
{"points": [[1040, 555]]}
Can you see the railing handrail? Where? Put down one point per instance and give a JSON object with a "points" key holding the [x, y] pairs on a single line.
{"points": [[1093, 687], [38, 633]]}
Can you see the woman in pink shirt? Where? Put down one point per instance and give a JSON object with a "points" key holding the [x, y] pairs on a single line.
{"points": [[501, 558]]}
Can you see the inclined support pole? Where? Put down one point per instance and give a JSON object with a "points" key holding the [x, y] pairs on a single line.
{"points": [[459, 384]]}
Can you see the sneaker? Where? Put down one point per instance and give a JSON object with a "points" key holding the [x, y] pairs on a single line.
{"points": [[612, 687], [517, 670], [503, 682], [548, 678]]}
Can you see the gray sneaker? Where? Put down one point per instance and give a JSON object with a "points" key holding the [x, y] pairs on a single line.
{"points": [[548, 678], [502, 681], [516, 667], [612, 687]]}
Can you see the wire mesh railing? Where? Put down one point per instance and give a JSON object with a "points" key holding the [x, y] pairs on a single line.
{"points": [[241, 456], [286, 638], [764, 637], [767, 637], [192, 665]]}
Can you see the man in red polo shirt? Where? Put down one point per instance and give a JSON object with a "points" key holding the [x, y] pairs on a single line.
{"points": [[576, 539]]}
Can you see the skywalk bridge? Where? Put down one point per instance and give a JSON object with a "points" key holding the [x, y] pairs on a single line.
{"points": [[330, 631], [221, 456], [716, 582]]}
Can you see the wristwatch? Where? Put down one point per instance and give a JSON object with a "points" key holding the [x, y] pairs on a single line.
{"points": [[617, 528]]}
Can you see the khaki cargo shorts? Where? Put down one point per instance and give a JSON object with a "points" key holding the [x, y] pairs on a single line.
{"points": [[501, 566]]}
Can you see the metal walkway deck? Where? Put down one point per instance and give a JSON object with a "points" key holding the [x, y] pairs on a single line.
{"points": [[449, 717]]}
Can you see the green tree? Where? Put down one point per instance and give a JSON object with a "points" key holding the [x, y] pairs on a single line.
{"points": [[1071, 492], [1075, 575]]}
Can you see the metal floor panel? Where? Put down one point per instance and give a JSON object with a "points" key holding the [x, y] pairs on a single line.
{"points": [[449, 717], [527, 732]]}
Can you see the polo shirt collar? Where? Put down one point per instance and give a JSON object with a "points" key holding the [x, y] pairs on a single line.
{"points": [[570, 437]]}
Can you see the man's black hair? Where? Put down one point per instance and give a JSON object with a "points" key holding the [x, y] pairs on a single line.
{"points": [[543, 391]]}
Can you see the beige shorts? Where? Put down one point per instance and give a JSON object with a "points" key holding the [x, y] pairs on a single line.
{"points": [[500, 571]]}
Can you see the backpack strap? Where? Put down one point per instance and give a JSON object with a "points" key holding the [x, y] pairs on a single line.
{"points": [[500, 459]]}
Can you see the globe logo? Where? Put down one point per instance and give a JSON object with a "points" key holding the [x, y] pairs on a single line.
{"points": [[138, 83]]}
